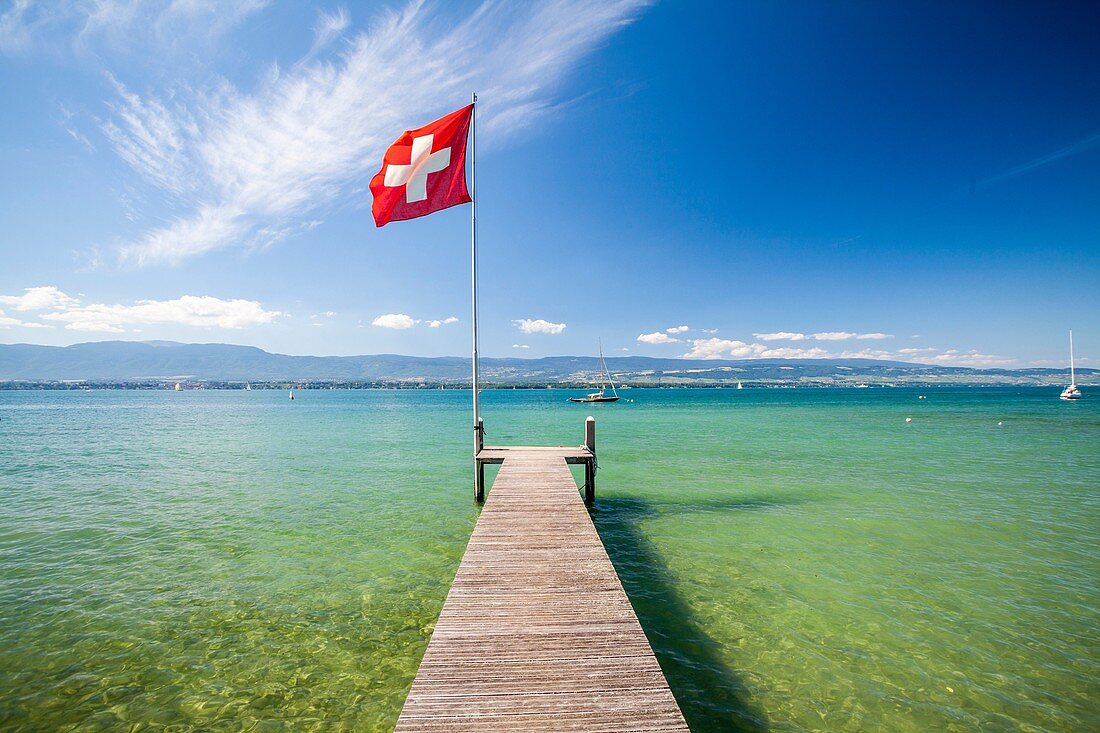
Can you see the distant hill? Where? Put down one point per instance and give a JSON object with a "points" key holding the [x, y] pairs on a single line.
{"points": [[131, 361]]}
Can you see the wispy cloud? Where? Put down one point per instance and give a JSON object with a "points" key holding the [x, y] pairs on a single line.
{"points": [[437, 322], [834, 336], [188, 310], [328, 28], [848, 335], [1081, 146], [88, 25], [18, 25], [538, 325], [971, 358], [820, 336], [8, 321], [246, 161], [715, 348], [678, 329], [520, 346], [781, 336]]}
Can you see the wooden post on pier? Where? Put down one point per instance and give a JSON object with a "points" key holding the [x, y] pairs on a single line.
{"points": [[479, 467], [590, 466]]}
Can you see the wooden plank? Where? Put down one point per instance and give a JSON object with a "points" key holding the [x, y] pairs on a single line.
{"points": [[497, 454], [537, 633]]}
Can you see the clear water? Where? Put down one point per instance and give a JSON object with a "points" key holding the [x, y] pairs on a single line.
{"points": [[800, 559]]}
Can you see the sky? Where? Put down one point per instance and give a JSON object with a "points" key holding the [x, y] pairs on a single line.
{"points": [[895, 180]]}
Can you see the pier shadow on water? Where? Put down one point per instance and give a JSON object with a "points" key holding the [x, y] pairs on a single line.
{"points": [[710, 693]]}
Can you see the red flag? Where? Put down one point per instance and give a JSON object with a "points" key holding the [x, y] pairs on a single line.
{"points": [[424, 170]]}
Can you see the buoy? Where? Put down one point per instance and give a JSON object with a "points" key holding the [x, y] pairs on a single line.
{"points": [[908, 419]]}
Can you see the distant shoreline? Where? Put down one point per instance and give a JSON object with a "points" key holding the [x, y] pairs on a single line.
{"points": [[284, 385]]}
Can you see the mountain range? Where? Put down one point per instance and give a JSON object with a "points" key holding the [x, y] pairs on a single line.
{"points": [[153, 361]]}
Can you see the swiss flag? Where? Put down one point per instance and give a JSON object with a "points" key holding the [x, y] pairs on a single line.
{"points": [[424, 170]]}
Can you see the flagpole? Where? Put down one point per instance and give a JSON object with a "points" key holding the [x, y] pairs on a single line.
{"points": [[479, 487]]}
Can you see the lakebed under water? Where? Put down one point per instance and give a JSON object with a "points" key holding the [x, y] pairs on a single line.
{"points": [[801, 559]]}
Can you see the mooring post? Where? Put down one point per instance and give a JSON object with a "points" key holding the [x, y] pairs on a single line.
{"points": [[479, 466], [590, 464]]}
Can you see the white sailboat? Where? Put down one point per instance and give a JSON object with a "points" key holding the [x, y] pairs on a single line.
{"points": [[1071, 392], [600, 396], [740, 386]]}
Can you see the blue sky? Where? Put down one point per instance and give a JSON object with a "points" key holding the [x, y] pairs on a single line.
{"points": [[732, 180]]}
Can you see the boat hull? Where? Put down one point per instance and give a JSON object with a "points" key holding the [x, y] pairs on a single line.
{"points": [[593, 399]]}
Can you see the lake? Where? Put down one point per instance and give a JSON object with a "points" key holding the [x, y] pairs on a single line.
{"points": [[801, 559]]}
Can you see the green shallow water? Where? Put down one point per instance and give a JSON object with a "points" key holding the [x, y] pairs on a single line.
{"points": [[800, 559]]}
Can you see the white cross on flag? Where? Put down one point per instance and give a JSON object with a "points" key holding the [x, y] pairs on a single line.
{"points": [[424, 170]]}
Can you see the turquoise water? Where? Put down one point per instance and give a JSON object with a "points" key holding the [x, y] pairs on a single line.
{"points": [[800, 559]]}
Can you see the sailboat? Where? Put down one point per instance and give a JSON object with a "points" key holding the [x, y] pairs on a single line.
{"points": [[600, 396], [1071, 392]]}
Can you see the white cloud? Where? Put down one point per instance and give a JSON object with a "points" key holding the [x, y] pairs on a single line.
{"points": [[954, 357], [716, 348], [401, 321], [40, 298], [710, 330], [538, 325], [848, 335], [834, 336], [398, 321], [791, 352], [781, 336], [188, 310], [8, 321], [657, 337], [520, 346], [678, 329], [244, 162]]}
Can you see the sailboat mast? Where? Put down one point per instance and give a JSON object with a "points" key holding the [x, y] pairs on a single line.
{"points": [[1072, 374], [602, 368], [605, 372]]}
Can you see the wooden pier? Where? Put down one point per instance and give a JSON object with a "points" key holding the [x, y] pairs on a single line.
{"points": [[537, 633]]}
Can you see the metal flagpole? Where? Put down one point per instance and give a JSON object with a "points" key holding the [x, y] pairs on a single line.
{"points": [[479, 488]]}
